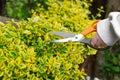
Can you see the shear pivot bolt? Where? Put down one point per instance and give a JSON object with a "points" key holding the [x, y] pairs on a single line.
{"points": [[76, 37]]}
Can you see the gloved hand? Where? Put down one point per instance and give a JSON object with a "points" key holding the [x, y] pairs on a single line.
{"points": [[97, 41]]}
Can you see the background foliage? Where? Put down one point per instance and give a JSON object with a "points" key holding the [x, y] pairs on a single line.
{"points": [[25, 50], [21, 9], [110, 68]]}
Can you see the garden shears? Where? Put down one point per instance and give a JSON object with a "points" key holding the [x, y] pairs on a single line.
{"points": [[79, 37]]}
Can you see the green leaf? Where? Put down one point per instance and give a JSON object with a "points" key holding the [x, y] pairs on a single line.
{"points": [[2, 58]]}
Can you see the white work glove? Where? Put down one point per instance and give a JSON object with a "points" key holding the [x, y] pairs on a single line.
{"points": [[108, 31]]}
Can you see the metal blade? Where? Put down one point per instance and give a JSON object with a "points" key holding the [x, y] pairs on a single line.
{"points": [[86, 40], [64, 34], [62, 40], [75, 38]]}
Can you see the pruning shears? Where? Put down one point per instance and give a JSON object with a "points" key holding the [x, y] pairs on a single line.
{"points": [[79, 37]]}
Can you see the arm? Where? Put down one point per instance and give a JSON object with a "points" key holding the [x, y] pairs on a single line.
{"points": [[108, 30]]}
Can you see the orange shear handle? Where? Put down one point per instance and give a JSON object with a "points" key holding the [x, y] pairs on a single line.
{"points": [[90, 28]]}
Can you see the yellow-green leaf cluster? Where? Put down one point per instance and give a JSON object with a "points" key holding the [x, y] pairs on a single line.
{"points": [[26, 52]]}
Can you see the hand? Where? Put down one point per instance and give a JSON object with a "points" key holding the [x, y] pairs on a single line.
{"points": [[97, 41]]}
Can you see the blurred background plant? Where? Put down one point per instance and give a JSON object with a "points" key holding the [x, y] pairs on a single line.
{"points": [[21, 9]]}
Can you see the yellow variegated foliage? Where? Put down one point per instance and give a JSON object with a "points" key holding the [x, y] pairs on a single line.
{"points": [[26, 52]]}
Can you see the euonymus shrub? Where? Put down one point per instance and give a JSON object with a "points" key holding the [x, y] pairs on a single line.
{"points": [[27, 54]]}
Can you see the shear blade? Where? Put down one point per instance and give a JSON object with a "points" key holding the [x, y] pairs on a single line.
{"points": [[64, 34], [62, 40], [86, 40], [66, 40]]}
